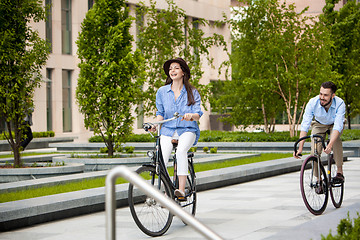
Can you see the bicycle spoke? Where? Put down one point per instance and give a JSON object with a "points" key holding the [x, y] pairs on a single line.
{"points": [[314, 191], [149, 215]]}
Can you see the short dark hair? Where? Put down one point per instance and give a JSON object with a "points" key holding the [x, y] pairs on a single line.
{"points": [[330, 85]]}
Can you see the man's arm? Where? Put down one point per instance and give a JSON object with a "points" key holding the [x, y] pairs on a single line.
{"points": [[301, 145], [334, 135]]}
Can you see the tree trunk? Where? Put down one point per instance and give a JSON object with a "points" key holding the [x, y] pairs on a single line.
{"points": [[110, 146], [273, 122], [348, 118], [291, 122], [15, 143], [266, 129]]}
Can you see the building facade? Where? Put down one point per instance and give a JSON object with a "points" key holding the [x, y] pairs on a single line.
{"points": [[55, 104]]}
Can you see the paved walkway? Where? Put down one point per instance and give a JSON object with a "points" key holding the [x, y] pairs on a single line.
{"points": [[269, 208]]}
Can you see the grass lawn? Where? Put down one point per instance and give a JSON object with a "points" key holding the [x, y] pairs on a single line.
{"points": [[100, 182]]}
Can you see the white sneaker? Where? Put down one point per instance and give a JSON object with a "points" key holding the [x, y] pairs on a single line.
{"points": [[180, 195]]}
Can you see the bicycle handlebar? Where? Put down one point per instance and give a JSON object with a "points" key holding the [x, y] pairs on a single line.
{"points": [[310, 136], [148, 126]]}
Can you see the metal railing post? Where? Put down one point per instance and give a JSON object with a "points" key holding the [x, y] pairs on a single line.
{"points": [[110, 204]]}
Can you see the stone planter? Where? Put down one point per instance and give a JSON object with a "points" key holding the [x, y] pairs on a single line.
{"points": [[19, 174], [100, 164]]}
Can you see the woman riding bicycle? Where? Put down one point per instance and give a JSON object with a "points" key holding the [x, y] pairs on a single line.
{"points": [[178, 95]]}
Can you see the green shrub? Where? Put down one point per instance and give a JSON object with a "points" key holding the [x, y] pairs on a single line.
{"points": [[129, 149], [35, 134], [213, 150], [145, 137], [130, 138], [96, 138], [103, 150], [118, 149], [347, 229], [193, 149], [225, 136], [43, 134], [205, 149]]}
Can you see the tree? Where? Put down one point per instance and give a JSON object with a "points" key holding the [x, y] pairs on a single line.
{"points": [[168, 33], [109, 81], [22, 54], [344, 26], [280, 54], [237, 102]]}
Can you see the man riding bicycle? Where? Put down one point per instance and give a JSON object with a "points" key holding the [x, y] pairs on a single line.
{"points": [[328, 112]]}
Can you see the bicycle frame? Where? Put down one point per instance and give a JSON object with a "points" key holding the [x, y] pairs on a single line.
{"points": [[150, 216], [158, 160], [316, 184]]}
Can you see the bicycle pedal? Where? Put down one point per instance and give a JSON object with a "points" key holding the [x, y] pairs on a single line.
{"points": [[182, 199]]}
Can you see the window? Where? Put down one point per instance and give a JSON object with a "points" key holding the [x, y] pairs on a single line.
{"points": [[66, 26], [90, 4], [139, 24], [195, 25], [186, 31], [48, 24], [48, 99], [66, 100]]}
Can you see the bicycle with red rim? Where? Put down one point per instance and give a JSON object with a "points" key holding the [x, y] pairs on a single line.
{"points": [[316, 183]]}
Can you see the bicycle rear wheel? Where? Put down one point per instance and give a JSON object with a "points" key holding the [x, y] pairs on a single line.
{"points": [[336, 189], [314, 190], [153, 219]]}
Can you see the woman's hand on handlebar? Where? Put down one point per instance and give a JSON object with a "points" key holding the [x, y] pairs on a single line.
{"points": [[153, 128], [187, 117], [190, 117]]}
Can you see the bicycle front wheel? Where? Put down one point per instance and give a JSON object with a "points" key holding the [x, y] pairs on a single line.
{"points": [[314, 189], [190, 192], [336, 189], [152, 218]]}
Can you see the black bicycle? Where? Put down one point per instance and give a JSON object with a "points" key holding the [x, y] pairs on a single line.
{"points": [[152, 218], [316, 183]]}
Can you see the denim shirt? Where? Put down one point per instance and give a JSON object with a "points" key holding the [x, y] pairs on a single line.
{"points": [[335, 115], [167, 106]]}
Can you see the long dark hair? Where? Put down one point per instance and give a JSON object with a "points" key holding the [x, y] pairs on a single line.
{"points": [[189, 88]]}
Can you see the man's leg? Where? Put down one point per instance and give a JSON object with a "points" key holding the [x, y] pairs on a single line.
{"points": [[338, 154], [318, 129], [28, 137]]}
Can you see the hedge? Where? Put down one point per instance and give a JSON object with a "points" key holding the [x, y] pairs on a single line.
{"points": [[223, 136], [35, 134]]}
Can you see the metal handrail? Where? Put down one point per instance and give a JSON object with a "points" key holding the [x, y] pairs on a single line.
{"points": [[134, 178]]}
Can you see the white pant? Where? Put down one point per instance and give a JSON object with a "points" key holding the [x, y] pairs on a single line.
{"points": [[186, 140]]}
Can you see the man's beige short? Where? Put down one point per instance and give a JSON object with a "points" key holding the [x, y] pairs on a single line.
{"points": [[320, 129]]}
